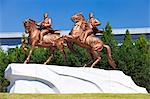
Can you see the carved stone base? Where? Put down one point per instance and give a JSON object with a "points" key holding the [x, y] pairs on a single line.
{"points": [[38, 78]]}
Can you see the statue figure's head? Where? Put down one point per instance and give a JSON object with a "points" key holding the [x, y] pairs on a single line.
{"points": [[91, 15], [45, 15]]}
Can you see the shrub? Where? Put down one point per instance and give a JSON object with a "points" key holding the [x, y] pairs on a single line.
{"points": [[3, 65]]}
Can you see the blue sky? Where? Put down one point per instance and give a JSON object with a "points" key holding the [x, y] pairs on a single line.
{"points": [[119, 13]]}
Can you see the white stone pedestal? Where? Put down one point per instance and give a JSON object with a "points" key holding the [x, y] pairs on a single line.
{"points": [[38, 78]]}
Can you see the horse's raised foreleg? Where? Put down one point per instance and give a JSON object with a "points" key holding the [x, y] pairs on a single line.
{"points": [[52, 50], [31, 49]]}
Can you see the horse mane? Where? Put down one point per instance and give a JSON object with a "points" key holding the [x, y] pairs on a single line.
{"points": [[31, 20], [81, 15]]}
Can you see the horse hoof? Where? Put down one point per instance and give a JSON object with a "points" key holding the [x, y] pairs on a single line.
{"points": [[25, 62], [85, 65], [39, 43]]}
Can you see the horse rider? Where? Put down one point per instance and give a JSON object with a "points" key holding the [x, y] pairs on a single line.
{"points": [[93, 23], [45, 26], [92, 27]]}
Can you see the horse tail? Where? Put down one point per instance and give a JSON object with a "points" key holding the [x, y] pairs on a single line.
{"points": [[109, 57]]}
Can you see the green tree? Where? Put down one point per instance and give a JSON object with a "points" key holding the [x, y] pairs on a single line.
{"points": [[126, 54], [108, 37], [3, 64], [16, 55], [142, 70], [127, 42]]}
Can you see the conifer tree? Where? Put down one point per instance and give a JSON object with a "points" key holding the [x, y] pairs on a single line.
{"points": [[108, 37], [127, 42]]}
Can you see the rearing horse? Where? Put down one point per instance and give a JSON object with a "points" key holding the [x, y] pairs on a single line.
{"points": [[30, 27], [92, 44]]}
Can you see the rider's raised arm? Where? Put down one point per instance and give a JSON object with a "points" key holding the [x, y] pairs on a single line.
{"points": [[39, 23], [96, 22], [50, 21]]}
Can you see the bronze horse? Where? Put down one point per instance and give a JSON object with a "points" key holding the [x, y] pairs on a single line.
{"points": [[92, 44], [30, 27]]}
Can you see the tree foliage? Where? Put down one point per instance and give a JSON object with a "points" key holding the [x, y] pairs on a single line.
{"points": [[3, 64]]}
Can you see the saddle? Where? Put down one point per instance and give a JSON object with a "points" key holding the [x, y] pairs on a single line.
{"points": [[54, 32], [57, 32]]}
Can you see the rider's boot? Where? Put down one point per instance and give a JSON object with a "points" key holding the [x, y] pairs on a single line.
{"points": [[84, 38], [40, 43]]}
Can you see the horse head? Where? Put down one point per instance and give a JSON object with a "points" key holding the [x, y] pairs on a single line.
{"points": [[29, 25], [77, 17]]}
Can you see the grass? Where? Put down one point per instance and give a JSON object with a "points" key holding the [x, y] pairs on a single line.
{"points": [[74, 96]]}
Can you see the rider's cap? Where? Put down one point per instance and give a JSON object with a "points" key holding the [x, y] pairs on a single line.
{"points": [[45, 14], [91, 15]]}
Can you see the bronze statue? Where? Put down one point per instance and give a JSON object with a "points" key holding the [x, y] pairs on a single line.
{"points": [[92, 44], [91, 27], [81, 34], [51, 41], [45, 27]]}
